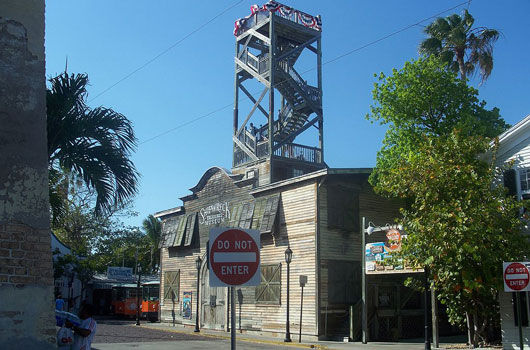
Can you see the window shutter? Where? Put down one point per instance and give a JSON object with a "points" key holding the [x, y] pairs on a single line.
{"points": [[235, 215], [259, 208], [190, 229], [269, 290], [171, 285], [510, 181], [246, 215], [169, 229], [180, 231], [269, 214]]}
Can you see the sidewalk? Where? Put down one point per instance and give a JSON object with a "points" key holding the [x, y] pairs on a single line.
{"points": [[277, 341]]}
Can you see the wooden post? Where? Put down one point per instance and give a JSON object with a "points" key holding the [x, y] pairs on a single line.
{"points": [[321, 121], [272, 68]]}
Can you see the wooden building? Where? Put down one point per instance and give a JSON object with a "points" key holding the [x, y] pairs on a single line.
{"points": [[281, 188]]}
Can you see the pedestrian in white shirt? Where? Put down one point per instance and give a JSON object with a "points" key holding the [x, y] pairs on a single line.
{"points": [[85, 332]]}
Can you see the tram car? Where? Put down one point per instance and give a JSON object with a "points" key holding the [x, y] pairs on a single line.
{"points": [[125, 298]]}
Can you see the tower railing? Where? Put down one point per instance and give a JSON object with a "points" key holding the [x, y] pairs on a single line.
{"points": [[300, 152]]}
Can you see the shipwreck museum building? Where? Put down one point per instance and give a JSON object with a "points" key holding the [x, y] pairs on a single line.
{"points": [[285, 190]]}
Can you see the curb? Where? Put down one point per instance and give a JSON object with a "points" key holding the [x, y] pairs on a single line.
{"points": [[244, 339]]}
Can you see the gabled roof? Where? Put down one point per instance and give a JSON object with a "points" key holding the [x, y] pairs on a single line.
{"points": [[519, 134]]}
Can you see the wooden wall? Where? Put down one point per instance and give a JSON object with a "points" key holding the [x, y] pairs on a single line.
{"points": [[296, 227]]}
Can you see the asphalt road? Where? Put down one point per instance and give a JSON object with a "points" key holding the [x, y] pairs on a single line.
{"points": [[121, 335]]}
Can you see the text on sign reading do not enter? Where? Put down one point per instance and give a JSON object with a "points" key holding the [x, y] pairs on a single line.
{"points": [[234, 256]]}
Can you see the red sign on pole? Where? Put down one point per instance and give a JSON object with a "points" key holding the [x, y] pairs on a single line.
{"points": [[516, 276], [234, 257]]}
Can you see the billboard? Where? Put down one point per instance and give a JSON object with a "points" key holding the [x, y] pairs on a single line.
{"points": [[379, 259]]}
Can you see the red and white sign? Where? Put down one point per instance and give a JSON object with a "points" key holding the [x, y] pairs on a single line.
{"points": [[234, 257], [516, 276]]}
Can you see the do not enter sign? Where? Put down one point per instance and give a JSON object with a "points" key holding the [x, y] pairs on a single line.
{"points": [[234, 257], [516, 276]]}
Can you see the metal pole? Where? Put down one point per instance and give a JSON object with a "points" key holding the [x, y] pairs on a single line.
{"points": [[434, 307], [519, 319], [287, 330], [363, 283], [138, 301], [197, 302], [233, 322], [426, 310], [301, 309]]}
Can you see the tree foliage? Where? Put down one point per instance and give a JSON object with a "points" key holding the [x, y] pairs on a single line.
{"points": [[465, 49], [459, 224], [94, 143], [424, 98]]}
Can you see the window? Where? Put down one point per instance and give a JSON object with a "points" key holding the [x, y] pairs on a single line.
{"points": [[510, 182], [171, 285], [343, 208], [524, 176], [269, 290]]}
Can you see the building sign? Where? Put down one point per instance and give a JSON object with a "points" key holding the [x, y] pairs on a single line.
{"points": [[516, 276], [119, 273], [379, 257], [214, 214], [234, 256]]}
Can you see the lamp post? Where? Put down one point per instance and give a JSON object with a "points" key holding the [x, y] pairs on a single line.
{"points": [[288, 258], [426, 310], [198, 264], [138, 293]]}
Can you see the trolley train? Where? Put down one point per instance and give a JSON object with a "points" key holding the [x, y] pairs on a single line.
{"points": [[124, 300]]}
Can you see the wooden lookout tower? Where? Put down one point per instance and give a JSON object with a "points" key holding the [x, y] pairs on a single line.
{"points": [[281, 135]]}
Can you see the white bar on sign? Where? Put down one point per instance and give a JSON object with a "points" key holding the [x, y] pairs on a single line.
{"points": [[234, 257], [521, 276]]}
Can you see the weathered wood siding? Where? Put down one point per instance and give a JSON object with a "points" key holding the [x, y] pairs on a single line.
{"points": [[218, 188], [342, 247], [296, 226]]}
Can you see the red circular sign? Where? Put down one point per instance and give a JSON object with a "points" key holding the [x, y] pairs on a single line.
{"points": [[234, 257], [516, 276]]}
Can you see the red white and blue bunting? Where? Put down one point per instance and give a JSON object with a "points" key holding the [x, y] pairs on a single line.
{"points": [[314, 22]]}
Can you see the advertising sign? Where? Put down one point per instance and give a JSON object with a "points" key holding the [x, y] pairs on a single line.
{"points": [[186, 305], [234, 257], [378, 258], [516, 276]]}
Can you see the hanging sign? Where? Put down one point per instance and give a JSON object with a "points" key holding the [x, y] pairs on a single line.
{"points": [[234, 256]]}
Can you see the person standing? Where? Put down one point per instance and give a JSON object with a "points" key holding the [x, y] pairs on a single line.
{"points": [[85, 332], [59, 306]]}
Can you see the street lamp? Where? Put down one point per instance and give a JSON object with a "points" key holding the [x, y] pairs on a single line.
{"points": [[138, 293], [288, 258], [198, 264]]}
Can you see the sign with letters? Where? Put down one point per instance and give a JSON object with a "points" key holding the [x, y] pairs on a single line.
{"points": [[234, 256], [516, 276]]}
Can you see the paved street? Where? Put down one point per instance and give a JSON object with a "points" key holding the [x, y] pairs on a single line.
{"points": [[124, 334]]}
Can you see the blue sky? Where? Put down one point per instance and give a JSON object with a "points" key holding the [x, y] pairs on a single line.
{"points": [[181, 102]]}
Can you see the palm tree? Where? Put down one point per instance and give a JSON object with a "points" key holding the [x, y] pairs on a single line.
{"points": [[153, 230], [463, 48], [94, 144]]}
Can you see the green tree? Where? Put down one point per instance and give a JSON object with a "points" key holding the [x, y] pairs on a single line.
{"points": [[437, 128], [153, 229], [424, 98], [464, 48], [460, 226], [94, 143]]}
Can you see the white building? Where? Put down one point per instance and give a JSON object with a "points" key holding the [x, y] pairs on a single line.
{"points": [[514, 145], [62, 284]]}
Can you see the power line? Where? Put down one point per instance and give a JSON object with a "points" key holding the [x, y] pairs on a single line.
{"points": [[309, 70], [166, 50]]}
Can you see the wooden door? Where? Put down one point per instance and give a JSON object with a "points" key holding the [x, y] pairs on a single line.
{"points": [[213, 303]]}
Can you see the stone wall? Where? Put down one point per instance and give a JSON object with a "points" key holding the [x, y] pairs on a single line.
{"points": [[26, 278]]}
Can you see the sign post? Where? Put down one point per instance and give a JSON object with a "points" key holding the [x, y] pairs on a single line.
{"points": [[516, 279], [234, 260]]}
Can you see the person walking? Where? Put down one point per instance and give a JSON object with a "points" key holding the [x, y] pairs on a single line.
{"points": [[85, 332]]}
